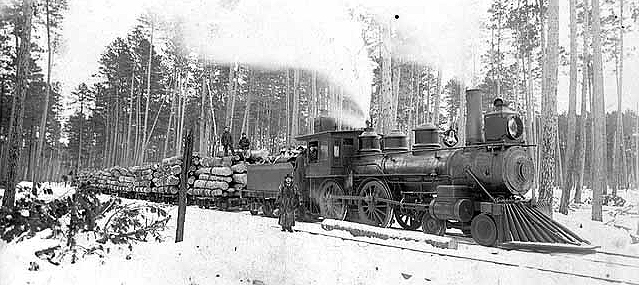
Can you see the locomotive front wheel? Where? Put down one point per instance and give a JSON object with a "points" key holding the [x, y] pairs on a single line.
{"points": [[253, 207], [329, 207], [267, 209], [408, 219], [484, 230], [371, 211], [432, 225]]}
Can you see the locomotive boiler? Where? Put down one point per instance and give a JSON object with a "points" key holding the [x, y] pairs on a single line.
{"points": [[478, 188]]}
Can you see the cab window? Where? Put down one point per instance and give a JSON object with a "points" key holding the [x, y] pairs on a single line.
{"points": [[337, 145], [313, 152], [323, 154]]}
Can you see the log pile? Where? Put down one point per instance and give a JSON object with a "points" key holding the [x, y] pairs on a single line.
{"points": [[214, 176], [207, 177]]}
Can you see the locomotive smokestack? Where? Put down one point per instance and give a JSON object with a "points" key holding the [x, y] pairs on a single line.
{"points": [[474, 121]]}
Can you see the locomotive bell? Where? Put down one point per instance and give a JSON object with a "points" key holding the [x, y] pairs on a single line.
{"points": [[395, 141], [426, 137]]}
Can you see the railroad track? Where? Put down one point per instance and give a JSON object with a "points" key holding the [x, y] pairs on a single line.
{"points": [[596, 254], [476, 259]]}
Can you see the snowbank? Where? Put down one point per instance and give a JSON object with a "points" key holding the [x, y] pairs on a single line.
{"points": [[237, 248], [384, 233]]}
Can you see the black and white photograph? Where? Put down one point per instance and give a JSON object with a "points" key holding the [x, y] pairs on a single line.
{"points": [[285, 142]]}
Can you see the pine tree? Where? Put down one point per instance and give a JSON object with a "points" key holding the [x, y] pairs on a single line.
{"points": [[572, 106], [599, 126], [549, 112], [17, 112]]}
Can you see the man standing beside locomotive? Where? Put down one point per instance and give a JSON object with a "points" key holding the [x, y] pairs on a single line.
{"points": [[227, 141], [288, 200]]}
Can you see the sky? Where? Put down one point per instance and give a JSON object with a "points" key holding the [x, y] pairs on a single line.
{"points": [[315, 35]]}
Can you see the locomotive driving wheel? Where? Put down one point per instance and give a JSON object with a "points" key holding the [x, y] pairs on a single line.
{"points": [[330, 207], [409, 219], [371, 210]]}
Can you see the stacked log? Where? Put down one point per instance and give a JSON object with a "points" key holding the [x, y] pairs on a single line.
{"points": [[240, 178], [166, 178], [206, 177], [212, 178], [115, 178]]}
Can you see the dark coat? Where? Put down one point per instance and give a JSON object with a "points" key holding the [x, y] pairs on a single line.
{"points": [[244, 143], [288, 200], [227, 139]]}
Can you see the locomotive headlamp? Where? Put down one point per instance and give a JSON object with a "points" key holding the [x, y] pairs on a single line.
{"points": [[515, 127]]}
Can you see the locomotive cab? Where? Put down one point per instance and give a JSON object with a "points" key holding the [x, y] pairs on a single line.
{"points": [[329, 152]]}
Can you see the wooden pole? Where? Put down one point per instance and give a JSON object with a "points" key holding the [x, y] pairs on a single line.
{"points": [[187, 152]]}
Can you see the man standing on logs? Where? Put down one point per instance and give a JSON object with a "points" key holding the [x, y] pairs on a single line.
{"points": [[244, 145], [227, 141], [288, 200]]}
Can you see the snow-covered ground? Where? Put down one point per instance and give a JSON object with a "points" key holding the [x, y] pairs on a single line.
{"points": [[237, 248]]}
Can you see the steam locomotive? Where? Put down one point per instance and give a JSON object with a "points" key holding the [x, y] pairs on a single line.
{"points": [[479, 188]]}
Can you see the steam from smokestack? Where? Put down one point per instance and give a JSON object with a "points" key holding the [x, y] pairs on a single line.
{"points": [[324, 36]]}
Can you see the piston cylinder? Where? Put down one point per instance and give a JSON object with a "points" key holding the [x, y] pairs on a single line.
{"points": [[453, 202], [459, 210]]}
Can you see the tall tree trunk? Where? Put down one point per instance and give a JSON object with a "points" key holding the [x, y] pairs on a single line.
{"points": [[581, 150], [549, 113], [155, 121], [287, 93], [637, 150], [499, 62], [116, 128], [201, 121], [230, 103], [171, 115], [138, 120], [420, 96], [542, 39], [247, 108], [572, 114], [77, 170], [296, 105], [427, 112], [396, 80], [129, 126], [148, 96], [213, 121], [207, 118], [183, 114], [14, 101], [438, 92], [599, 128], [43, 119], [107, 136], [388, 121], [178, 122], [314, 100], [620, 165], [21, 88]]}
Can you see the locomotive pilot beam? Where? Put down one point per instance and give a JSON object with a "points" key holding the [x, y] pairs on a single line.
{"points": [[478, 188]]}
